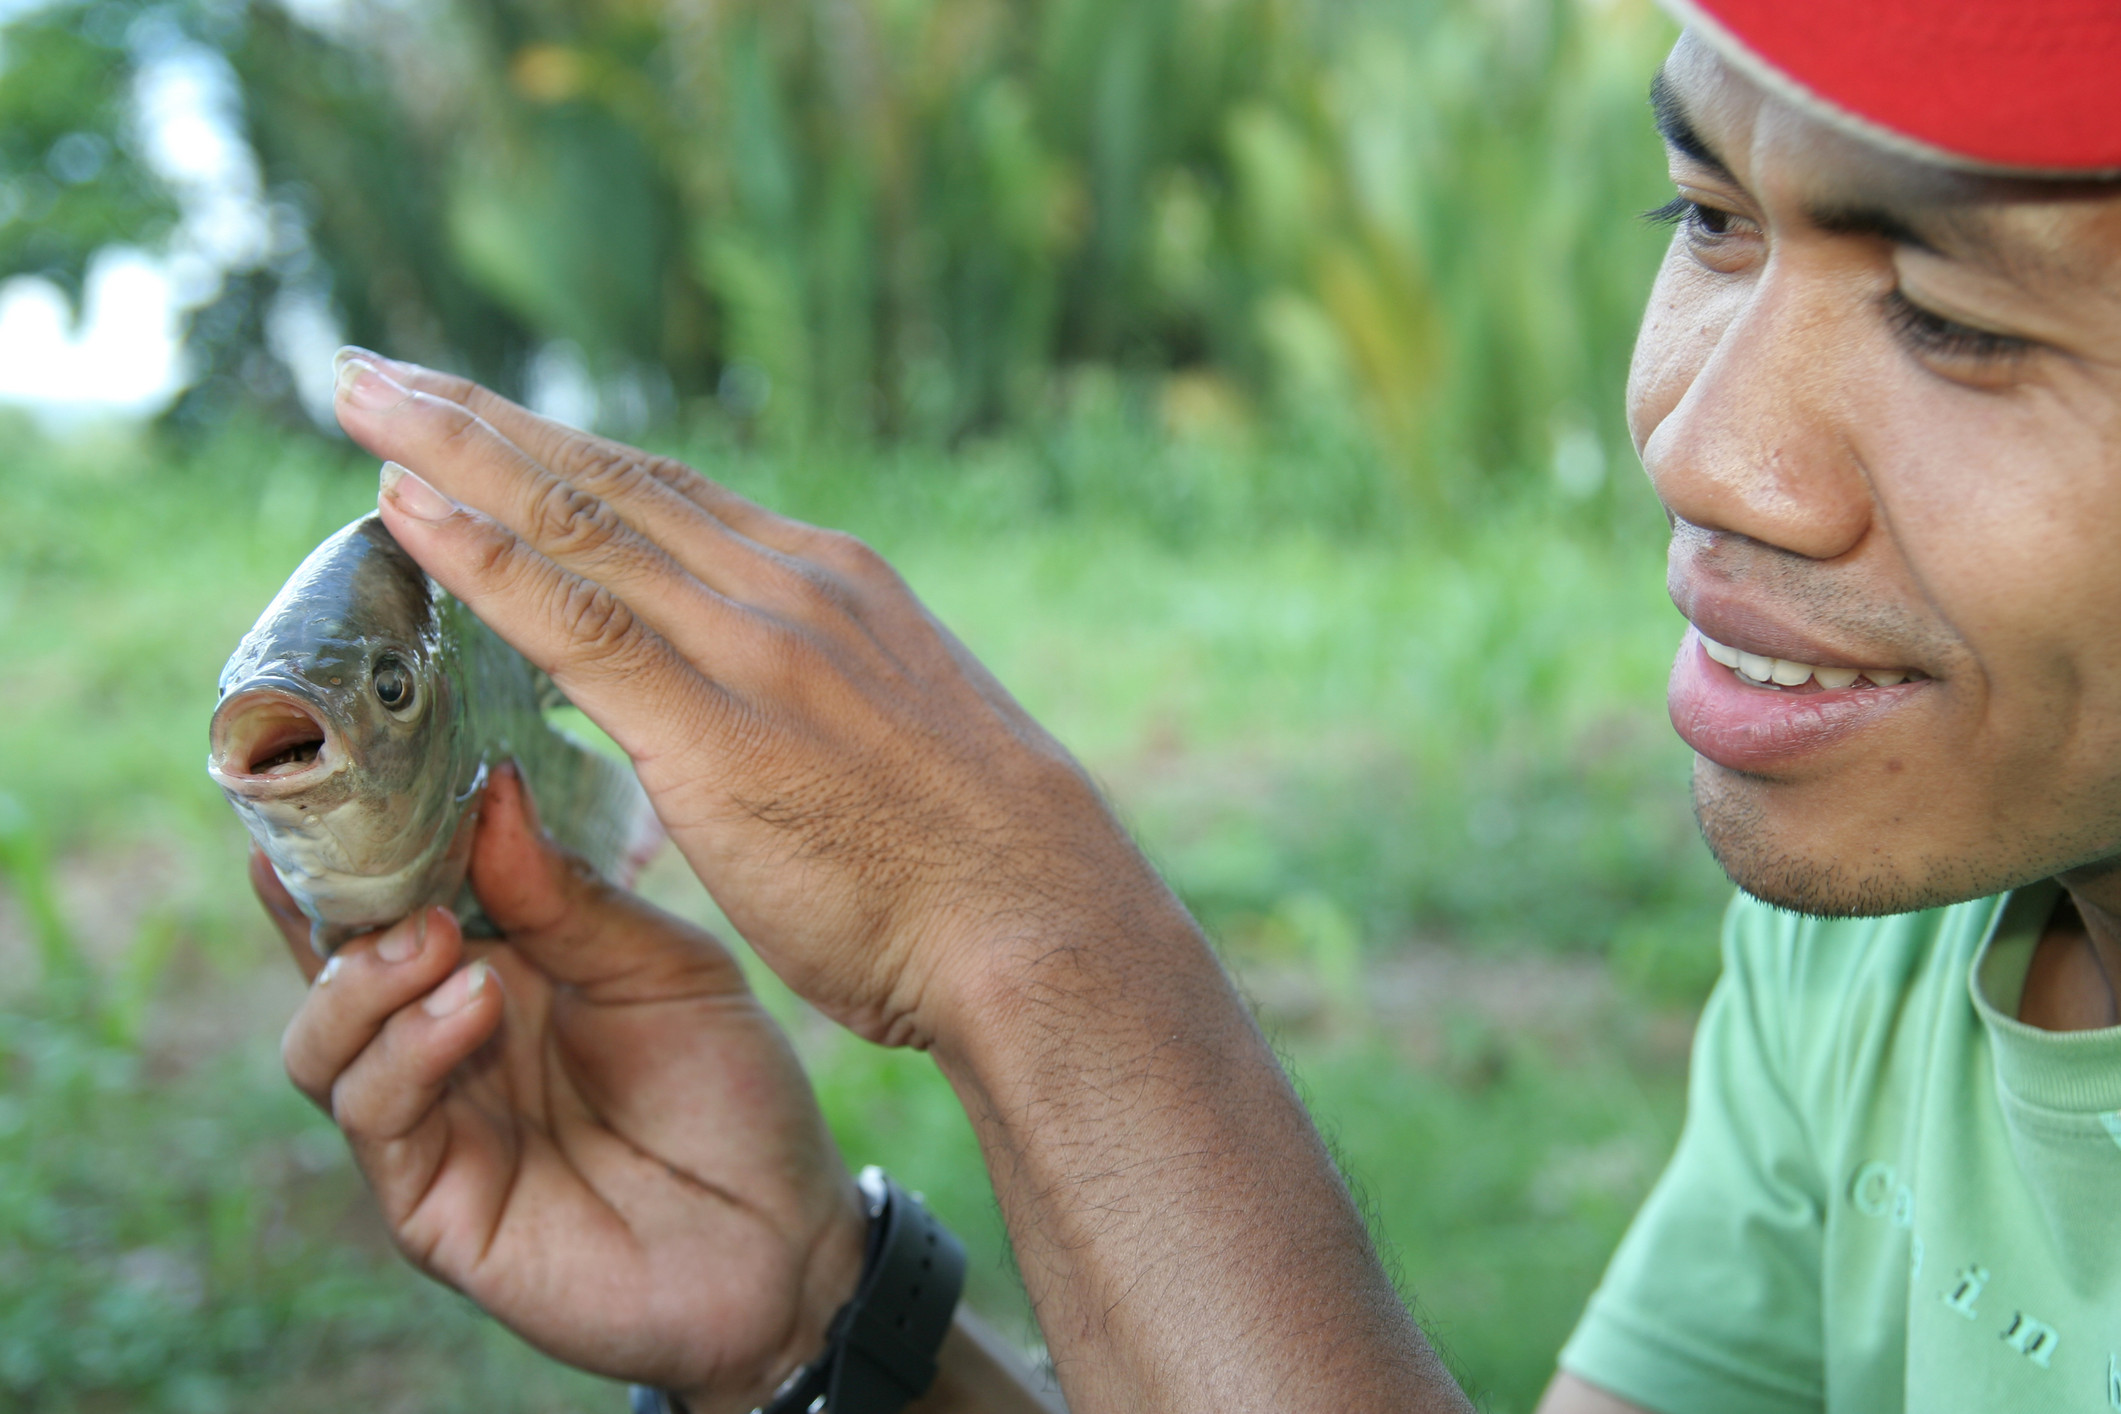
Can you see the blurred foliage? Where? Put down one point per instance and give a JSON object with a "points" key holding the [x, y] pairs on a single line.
{"points": [[193, 1238], [71, 177], [922, 217]]}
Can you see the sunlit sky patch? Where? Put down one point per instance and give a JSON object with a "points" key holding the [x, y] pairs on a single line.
{"points": [[123, 355]]}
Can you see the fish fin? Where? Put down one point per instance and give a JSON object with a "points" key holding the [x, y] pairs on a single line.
{"points": [[620, 829], [471, 916], [549, 696], [646, 842], [590, 803]]}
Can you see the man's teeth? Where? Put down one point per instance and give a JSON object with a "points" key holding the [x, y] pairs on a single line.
{"points": [[1784, 673]]}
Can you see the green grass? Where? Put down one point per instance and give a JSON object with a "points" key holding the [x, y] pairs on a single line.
{"points": [[1371, 750]]}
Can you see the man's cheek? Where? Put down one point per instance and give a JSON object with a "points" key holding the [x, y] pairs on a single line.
{"points": [[1681, 327]]}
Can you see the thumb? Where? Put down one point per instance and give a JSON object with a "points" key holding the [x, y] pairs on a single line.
{"points": [[574, 925]]}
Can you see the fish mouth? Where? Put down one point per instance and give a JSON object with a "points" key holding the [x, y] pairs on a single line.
{"points": [[267, 741]]}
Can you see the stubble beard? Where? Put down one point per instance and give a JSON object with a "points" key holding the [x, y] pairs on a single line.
{"points": [[1754, 852]]}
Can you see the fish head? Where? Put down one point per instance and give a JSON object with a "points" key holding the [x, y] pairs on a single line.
{"points": [[336, 733]]}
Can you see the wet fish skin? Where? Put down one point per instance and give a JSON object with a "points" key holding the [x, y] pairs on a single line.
{"points": [[366, 806]]}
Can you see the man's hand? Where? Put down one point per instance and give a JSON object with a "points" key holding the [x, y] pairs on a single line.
{"points": [[868, 806], [590, 1128]]}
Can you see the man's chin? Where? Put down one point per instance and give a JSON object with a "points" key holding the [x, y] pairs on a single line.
{"points": [[1776, 865]]}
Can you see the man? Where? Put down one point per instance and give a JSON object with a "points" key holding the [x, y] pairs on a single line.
{"points": [[1878, 392]]}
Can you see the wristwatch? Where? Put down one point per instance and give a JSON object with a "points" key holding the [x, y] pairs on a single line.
{"points": [[880, 1349]]}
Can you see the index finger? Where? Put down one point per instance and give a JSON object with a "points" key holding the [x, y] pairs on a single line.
{"points": [[588, 460]]}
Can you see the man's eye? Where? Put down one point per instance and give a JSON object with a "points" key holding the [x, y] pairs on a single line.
{"points": [[1693, 217], [1930, 333]]}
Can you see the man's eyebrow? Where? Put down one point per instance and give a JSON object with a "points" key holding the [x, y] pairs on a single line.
{"points": [[1960, 233], [1889, 226], [1677, 127]]}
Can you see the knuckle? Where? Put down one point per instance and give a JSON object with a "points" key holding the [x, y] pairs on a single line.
{"points": [[344, 1103], [419, 1239], [295, 1061], [416, 1248], [568, 521], [820, 591], [455, 388], [460, 427], [497, 556], [672, 473], [846, 555], [630, 468], [597, 622], [611, 468]]}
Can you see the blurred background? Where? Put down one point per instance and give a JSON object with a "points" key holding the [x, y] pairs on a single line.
{"points": [[1241, 378]]}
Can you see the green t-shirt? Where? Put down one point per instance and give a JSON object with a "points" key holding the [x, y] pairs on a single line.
{"points": [[1890, 1194]]}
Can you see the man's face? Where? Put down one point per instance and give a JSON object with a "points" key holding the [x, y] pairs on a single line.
{"points": [[1881, 403]]}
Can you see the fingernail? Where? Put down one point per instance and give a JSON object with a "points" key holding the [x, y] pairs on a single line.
{"points": [[346, 366], [405, 940], [362, 382], [415, 497], [459, 991], [395, 367], [331, 970]]}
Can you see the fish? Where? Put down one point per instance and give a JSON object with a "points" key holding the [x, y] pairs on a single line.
{"points": [[358, 723]]}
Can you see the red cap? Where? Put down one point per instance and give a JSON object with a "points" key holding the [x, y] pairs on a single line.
{"points": [[2016, 85]]}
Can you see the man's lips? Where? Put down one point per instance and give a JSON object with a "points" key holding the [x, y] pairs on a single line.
{"points": [[1722, 616], [1748, 727]]}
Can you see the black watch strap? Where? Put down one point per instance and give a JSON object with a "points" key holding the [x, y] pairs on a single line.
{"points": [[883, 1343], [880, 1349]]}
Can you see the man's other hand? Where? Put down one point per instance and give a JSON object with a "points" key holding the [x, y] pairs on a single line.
{"points": [[590, 1127]]}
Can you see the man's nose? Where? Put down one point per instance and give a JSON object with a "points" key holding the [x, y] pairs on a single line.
{"points": [[1760, 443]]}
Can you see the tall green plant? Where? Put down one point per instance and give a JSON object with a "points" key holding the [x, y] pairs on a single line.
{"points": [[918, 217]]}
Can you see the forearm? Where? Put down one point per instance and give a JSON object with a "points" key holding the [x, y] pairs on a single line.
{"points": [[1183, 1234]]}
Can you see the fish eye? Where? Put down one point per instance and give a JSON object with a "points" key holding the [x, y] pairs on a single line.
{"points": [[392, 682]]}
